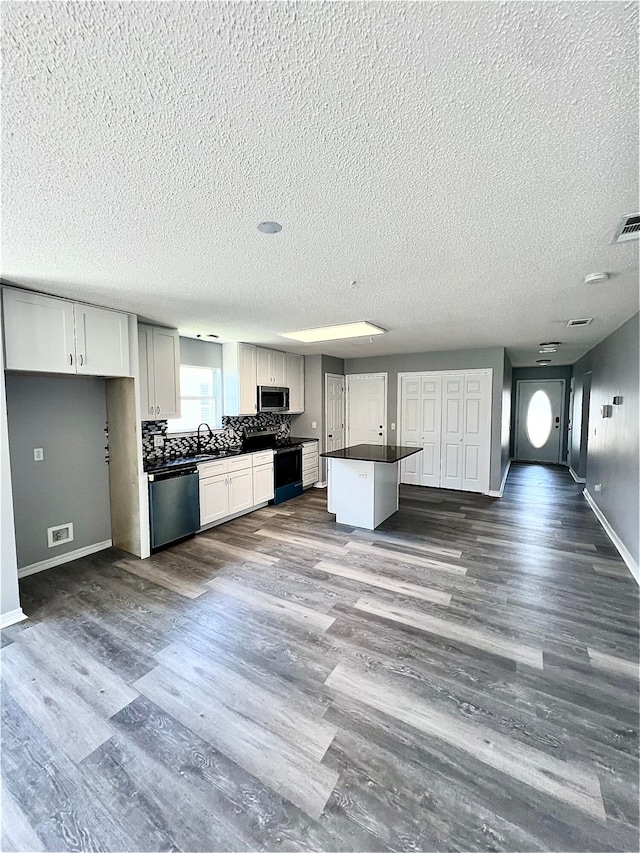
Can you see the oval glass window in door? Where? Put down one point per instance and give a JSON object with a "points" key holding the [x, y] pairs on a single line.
{"points": [[539, 419]]}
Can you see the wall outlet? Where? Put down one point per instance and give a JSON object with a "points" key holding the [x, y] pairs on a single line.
{"points": [[313, 424], [598, 487], [158, 441], [38, 454], [362, 475], [393, 426], [59, 534]]}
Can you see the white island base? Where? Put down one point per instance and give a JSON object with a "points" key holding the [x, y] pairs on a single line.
{"points": [[362, 494]]}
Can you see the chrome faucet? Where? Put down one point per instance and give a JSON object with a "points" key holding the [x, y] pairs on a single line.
{"points": [[199, 439]]}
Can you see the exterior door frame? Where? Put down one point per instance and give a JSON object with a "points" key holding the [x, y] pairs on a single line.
{"points": [[349, 376], [563, 427], [487, 371]]}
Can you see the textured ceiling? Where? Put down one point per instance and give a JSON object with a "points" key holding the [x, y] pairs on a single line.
{"points": [[465, 163]]}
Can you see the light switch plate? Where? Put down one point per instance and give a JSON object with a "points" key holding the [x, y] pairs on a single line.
{"points": [[313, 424]]}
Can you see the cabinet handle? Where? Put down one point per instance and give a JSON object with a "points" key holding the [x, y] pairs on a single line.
{"points": [[158, 410], [81, 360], [71, 358], [150, 410]]}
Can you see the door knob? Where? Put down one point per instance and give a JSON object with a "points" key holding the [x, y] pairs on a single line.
{"points": [[379, 433], [329, 436]]}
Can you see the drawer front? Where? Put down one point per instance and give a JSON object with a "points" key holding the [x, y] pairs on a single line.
{"points": [[239, 463], [310, 477], [309, 462], [310, 448], [212, 469], [265, 457]]}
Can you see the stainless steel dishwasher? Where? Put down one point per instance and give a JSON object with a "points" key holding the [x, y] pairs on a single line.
{"points": [[174, 505]]}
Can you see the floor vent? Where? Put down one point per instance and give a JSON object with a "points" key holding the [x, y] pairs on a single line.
{"points": [[628, 228], [584, 322]]}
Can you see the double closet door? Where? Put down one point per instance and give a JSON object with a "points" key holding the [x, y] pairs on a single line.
{"points": [[448, 415]]}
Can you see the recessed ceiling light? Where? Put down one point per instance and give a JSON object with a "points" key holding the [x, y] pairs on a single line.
{"points": [[269, 227], [360, 329], [551, 344], [596, 278], [548, 349], [542, 361], [585, 321]]}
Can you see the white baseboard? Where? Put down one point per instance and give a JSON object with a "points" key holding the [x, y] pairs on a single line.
{"points": [[575, 476], [12, 617], [63, 558], [620, 546], [497, 493]]}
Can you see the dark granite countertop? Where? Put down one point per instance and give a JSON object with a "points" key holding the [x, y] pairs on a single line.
{"points": [[373, 453], [190, 461], [302, 438]]}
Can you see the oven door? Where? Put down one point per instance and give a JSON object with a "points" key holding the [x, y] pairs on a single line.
{"points": [[287, 473]]}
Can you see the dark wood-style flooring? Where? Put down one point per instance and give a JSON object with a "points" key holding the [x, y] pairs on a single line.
{"points": [[463, 678]]}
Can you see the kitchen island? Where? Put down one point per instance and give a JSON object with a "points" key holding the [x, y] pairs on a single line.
{"points": [[363, 482]]}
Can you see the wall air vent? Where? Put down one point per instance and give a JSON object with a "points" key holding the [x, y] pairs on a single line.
{"points": [[583, 322], [628, 228]]}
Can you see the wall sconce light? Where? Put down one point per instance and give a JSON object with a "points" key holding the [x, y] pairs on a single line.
{"points": [[606, 411], [617, 401]]}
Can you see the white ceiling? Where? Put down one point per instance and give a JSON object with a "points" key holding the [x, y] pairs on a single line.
{"points": [[465, 163]]}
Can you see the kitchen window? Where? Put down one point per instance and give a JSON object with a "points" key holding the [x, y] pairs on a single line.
{"points": [[200, 397]]}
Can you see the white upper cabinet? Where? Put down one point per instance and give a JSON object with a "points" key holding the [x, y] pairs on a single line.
{"points": [[159, 354], [295, 382], [272, 367], [102, 341], [239, 381], [50, 335]]}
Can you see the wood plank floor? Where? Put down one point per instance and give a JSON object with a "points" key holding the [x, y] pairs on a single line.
{"points": [[463, 678]]}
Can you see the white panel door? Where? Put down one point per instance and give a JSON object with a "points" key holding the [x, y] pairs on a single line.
{"points": [[102, 341], [431, 419], [539, 419], [240, 490], [476, 441], [411, 427], [452, 431], [334, 411], [366, 409]]}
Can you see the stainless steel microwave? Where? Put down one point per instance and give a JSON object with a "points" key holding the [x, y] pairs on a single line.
{"points": [[272, 399]]}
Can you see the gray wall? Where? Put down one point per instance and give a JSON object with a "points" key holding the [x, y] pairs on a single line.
{"points": [[560, 371], [505, 438], [315, 369], [491, 357], [65, 416], [612, 453], [200, 353], [9, 595]]}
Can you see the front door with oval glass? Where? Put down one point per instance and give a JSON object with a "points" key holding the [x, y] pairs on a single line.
{"points": [[539, 420]]}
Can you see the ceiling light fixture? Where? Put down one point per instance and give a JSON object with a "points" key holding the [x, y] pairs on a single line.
{"points": [[585, 321], [359, 329], [551, 344], [268, 227], [596, 278], [548, 349], [543, 361]]}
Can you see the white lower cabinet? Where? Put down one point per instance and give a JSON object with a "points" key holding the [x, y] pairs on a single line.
{"points": [[241, 490], [310, 463], [214, 499], [234, 485]]}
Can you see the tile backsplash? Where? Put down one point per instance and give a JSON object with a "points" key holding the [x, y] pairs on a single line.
{"points": [[186, 445]]}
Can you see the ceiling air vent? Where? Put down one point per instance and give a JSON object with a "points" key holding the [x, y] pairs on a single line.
{"points": [[584, 322], [628, 228]]}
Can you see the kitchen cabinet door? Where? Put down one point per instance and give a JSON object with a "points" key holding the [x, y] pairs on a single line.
{"points": [[38, 332], [248, 385], [262, 484], [166, 372], [295, 382], [240, 490], [214, 499], [145, 356], [102, 341], [271, 367]]}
